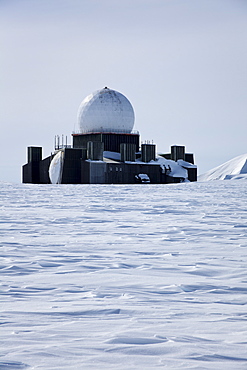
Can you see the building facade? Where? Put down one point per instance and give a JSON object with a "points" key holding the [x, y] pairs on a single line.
{"points": [[106, 150]]}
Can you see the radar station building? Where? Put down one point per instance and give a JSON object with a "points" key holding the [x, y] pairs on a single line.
{"points": [[106, 150]]}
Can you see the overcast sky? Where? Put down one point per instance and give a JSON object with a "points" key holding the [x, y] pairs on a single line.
{"points": [[181, 63]]}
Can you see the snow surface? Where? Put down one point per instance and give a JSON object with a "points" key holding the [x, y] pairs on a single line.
{"points": [[176, 169], [124, 276], [112, 155], [235, 169]]}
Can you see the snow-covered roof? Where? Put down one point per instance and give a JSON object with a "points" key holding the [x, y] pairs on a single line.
{"points": [[185, 164], [112, 155], [174, 169]]}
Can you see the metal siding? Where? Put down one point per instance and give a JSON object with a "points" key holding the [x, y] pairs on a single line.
{"points": [[30, 173], [189, 157], [111, 141], [95, 150], [97, 172], [80, 141], [85, 172], [177, 152], [34, 154], [148, 152], [128, 152], [44, 170], [192, 174], [128, 171], [72, 166], [27, 173]]}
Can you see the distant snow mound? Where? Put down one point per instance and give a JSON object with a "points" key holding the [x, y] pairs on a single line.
{"points": [[235, 169]]}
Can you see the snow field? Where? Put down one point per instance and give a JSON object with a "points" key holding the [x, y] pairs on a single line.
{"points": [[234, 169], [127, 277]]}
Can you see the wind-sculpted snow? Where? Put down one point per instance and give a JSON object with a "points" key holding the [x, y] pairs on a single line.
{"points": [[124, 277], [235, 169]]}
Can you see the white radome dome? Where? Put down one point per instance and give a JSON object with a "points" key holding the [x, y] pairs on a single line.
{"points": [[56, 167], [106, 110]]}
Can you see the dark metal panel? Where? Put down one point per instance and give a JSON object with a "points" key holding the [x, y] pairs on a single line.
{"points": [[189, 157], [72, 166], [34, 154], [115, 173], [27, 173], [111, 141], [177, 152], [128, 152], [125, 173], [95, 150], [44, 170], [85, 172], [30, 173], [80, 141], [192, 173], [148, 152], [97, 172]]}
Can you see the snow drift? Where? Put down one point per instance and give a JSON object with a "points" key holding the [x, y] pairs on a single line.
{"points": [[123, 277], [235, 169]]}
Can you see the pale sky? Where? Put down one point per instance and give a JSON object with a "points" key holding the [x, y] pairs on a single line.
{"points": [[181, 63]]}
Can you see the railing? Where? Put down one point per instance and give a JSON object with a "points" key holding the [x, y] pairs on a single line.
{"points": [[62, 146], [105, 131], [61, 143]]}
